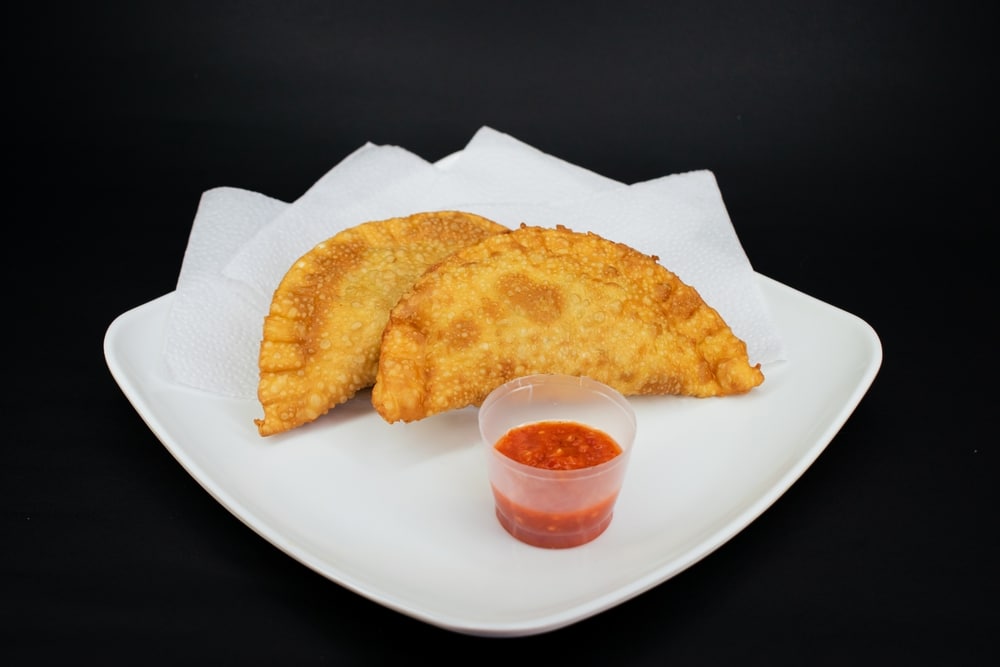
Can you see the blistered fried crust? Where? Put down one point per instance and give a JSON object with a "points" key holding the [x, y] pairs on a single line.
{"points": [[540, 300], [321, 336]]}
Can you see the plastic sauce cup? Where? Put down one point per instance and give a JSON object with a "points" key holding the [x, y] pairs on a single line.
{"points": [[556, 508]]}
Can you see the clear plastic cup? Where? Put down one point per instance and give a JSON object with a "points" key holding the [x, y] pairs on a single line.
{"points": [[556, 508]]}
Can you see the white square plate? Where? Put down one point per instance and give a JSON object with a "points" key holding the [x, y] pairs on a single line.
{"points": [[402, 514]]}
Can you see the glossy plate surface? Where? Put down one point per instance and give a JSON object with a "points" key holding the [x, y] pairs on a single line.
{"points": [[402, 514]]}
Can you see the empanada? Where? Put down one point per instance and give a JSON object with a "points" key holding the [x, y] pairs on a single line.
{"points": [[541, 300], [321, 336]]}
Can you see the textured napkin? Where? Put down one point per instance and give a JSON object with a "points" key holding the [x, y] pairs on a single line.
{"points": [[242, 242], [214, 325]]}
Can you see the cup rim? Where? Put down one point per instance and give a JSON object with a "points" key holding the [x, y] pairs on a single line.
{"points": [[532, 379]]}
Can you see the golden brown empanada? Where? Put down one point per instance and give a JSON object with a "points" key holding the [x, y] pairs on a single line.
{"points": [[321, 335], [540, 300]]}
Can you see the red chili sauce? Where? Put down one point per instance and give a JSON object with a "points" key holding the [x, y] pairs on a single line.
{"points": [[556, 446]]}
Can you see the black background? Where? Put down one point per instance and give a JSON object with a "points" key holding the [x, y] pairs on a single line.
{"points": [[852, 142]]}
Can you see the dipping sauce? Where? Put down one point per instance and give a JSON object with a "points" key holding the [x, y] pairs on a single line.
{"points": [[558, 445], [554, 530], [561, 515]]}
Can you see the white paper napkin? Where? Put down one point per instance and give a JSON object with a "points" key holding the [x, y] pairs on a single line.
{"points": [[380, 182], [242, 243], [214, 324]]}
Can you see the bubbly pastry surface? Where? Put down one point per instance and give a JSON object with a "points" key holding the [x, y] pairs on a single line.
{"points": [[551, 300], [321, 336]]}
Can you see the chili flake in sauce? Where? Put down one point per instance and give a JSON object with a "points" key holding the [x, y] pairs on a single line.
{"points": [[558, 445]]}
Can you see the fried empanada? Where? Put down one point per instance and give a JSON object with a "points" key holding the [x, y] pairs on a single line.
{"points": [[541, 300], [321, 336]]}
